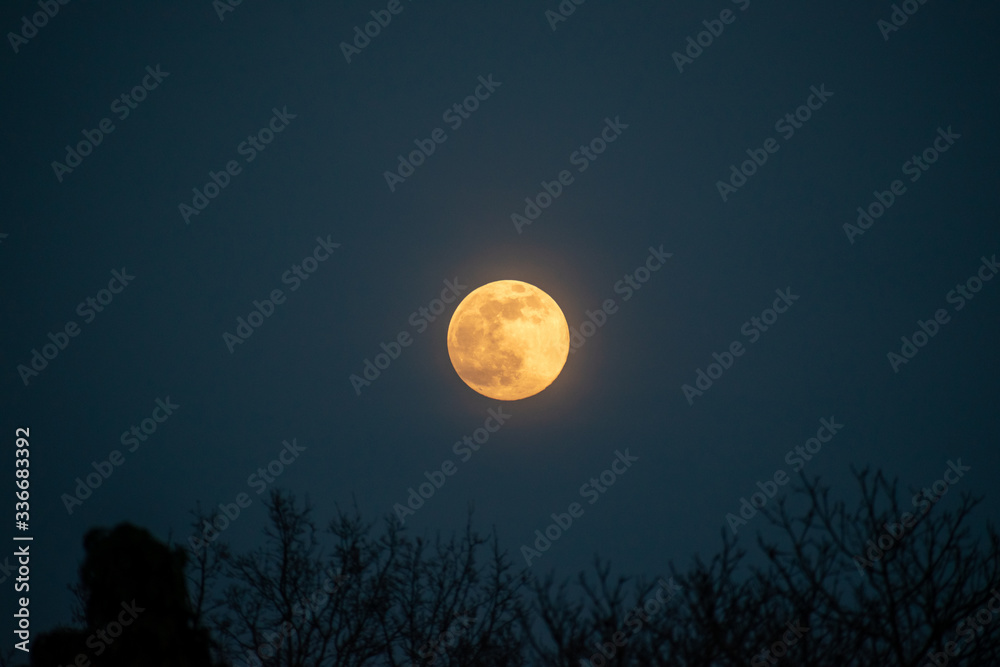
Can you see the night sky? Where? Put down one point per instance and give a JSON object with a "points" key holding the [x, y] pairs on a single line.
{"points": [[737, 168]]}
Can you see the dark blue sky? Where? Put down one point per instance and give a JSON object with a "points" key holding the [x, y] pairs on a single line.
{"points": [[320, 181]]}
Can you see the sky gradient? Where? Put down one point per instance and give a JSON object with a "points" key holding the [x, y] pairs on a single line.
{"points": [[245, 170]]}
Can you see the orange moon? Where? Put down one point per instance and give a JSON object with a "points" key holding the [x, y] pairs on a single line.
{"points": [[508, 340]]}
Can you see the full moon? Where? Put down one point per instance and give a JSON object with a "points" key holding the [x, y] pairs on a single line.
{"points": [[508, 340]]}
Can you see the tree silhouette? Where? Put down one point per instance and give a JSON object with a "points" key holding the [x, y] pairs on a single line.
{"points": [[815, 597], [134, 604], [829, 585], [373, 599], [882, 591], [927, 597]]}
